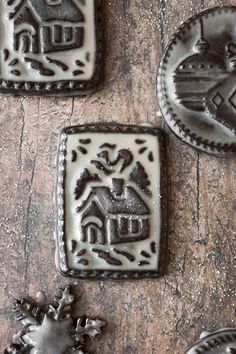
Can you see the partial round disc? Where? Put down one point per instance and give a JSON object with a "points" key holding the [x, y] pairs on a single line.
{"points": [[219, 342], [197, 81]]}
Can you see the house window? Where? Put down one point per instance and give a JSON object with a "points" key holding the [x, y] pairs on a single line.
{"points": [[68, 34], [62, 35], [53, 2], [128, 226], [134, 226], [123, 226], [57, 34]]}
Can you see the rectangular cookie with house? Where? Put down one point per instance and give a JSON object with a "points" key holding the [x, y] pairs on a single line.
{"points": [[110, 203], [50, 47]]}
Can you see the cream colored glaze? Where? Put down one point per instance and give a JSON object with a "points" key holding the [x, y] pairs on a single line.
{"points": [[68, 57], [72, 219]]}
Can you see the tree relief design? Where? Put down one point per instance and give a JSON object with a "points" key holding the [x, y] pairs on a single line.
{"points": [[113, 200], [196, 78], [48, 41]]}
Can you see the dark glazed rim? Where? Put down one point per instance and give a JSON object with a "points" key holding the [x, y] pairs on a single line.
{"points": [[213, 340], [65, 88], [184, 133], [61, 256]]}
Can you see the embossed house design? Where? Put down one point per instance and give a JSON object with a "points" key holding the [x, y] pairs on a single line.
{"points": [[47, 26], [114, 215]]}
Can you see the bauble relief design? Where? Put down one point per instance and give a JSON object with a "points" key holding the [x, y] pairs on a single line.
{"points": [[196, 83], [205, 82]]}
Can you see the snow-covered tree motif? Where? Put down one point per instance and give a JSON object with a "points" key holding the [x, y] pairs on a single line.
{"points": [[51, 329], [139, 176], [104, 165]]}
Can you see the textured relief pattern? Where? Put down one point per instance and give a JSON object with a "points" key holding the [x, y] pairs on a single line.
{"points": [[196, 81], [48, 41], [51, 329], [219, 342], [112, 218]]}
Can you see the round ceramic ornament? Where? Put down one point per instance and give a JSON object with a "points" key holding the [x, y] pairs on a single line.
{"points": [[197, 81], [219, 342]]}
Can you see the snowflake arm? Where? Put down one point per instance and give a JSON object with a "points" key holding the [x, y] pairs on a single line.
{"points": [[88, 327]]}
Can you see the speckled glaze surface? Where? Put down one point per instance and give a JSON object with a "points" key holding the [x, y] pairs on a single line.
{"points": [[196, 81], [108, 202], [156, 316], [51, 48]]}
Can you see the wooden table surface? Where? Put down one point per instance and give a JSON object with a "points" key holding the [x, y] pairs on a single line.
{"points": [[198, 291]]}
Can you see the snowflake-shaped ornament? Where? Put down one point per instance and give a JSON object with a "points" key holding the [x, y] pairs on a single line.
{"points": [[49, 329]]}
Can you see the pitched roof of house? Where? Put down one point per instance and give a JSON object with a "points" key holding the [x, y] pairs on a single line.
{"points": [[66, 11], [132, 204]]}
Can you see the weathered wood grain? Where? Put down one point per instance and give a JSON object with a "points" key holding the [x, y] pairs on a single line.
{"points": [[198, 291]]}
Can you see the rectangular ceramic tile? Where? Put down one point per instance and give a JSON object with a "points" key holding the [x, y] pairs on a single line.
{"points": [[50, 47], [108, 202]]}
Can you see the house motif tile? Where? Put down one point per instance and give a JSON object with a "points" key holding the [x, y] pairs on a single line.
{"points": [[108, 202], [50, 47], [196, 81]]}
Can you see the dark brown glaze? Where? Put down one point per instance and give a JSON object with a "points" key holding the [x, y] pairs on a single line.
{"points": [[219, 342], [196, 87], [34, 35]]}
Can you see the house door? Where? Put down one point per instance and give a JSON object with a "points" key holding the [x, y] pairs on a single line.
{"points": [[198, 291], [25, 40], [94, 234]]}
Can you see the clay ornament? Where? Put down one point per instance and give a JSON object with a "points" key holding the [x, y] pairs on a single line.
{"points": [[219, 342], [51, 329], [196, 81], [50, 47], [110, 202]]}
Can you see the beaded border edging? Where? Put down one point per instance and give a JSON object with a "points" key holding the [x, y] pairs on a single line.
{"points": [[64, 87], [62, 261], [192, 138]]}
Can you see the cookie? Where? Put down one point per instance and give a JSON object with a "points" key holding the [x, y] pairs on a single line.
{"points": [[196, 81], [219, 342], [110, 204], [52, 328], [50, 47]]}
